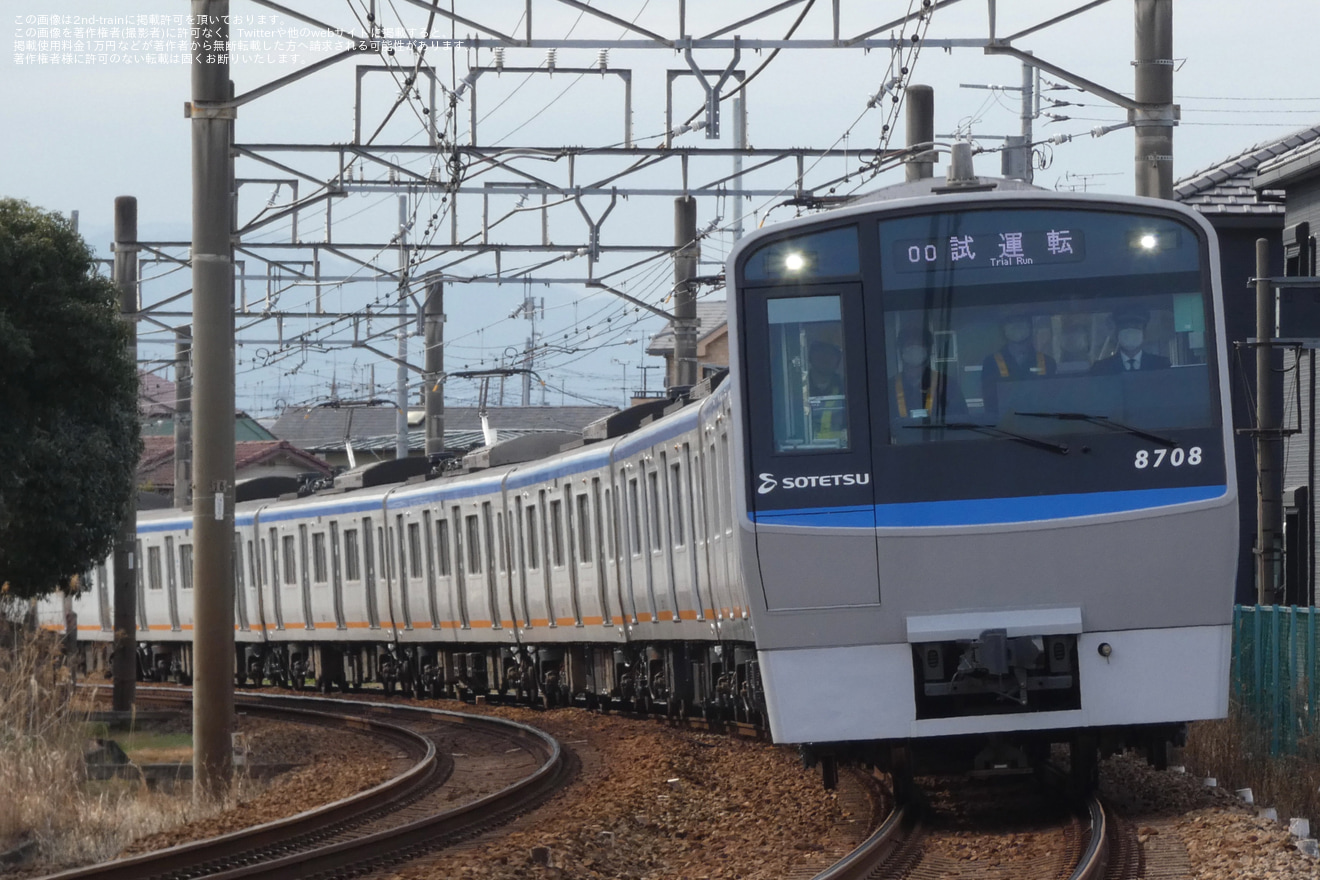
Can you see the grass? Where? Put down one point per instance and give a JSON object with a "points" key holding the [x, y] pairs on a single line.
{"points": [[1237, 753], [44, 733]]}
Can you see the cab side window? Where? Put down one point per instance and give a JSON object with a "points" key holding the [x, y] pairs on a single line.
{"points": [[808, 379]]}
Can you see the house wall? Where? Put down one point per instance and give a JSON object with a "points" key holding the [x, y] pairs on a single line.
{"points": [[1237, 263]]}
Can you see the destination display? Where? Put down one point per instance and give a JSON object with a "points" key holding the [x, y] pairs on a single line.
{"points": [[1006, 248]]}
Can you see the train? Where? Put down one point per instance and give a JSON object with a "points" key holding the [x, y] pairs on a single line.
{"points": [[962, 494]]}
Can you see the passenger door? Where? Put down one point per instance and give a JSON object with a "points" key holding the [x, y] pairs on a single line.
{"points": [[809, 467]]}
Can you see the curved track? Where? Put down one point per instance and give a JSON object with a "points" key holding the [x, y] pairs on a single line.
{"points": [[907, 846], [411, 813]]}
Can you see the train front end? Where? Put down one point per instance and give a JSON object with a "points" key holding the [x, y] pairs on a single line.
{"points": [[984, 491]]}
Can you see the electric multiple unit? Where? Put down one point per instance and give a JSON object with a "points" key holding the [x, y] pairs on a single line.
{"points": [[985, 486], [967, 483]]}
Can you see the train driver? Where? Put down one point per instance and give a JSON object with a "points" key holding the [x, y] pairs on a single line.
{"points": [[1016, 360], [921, 391], [1130, 356], [1075, 344], [826, 393]]}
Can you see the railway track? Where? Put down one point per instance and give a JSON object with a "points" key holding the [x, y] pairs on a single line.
{"points": [[469, 773], [1017, 840]]}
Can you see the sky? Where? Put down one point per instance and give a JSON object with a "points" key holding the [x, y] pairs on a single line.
{"points": [[83, 127]]}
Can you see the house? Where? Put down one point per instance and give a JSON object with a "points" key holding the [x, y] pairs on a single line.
{"points": [[712, 343], [257, 452], [1295, 174], [1241, 210], [369, 429], [252, 459]]}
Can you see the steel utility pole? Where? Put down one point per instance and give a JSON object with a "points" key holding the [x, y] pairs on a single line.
{"points": [[124, 658], [1269, 513], [686, 255], [1154, 95], [213, 396]]}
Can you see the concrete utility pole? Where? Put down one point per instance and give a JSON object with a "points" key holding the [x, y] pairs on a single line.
{"points": [[1269, 513], [919, 114], [1154, 94], [401, 375], [685, 292], [183, 417], [213, 396], [124, 658], [433, 362]]}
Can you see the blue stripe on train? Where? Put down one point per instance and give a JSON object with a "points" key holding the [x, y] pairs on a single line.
{"points": [[985, 511]]}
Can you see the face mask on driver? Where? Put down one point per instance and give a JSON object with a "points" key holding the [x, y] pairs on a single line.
{"points": [[1131, 338], [1017, 331], [914, 355]]}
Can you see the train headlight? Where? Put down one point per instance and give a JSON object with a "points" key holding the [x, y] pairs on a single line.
{"points": [[794, 261], [1152, 241]]}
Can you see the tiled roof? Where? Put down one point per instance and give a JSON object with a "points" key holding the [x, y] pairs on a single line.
{"points": [[155, 395], [1299, 162], [373, 427], [245, 428], [711, 316], [156, 466], [1226, 187]]}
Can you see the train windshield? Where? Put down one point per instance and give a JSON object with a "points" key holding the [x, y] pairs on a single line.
{"points": [[1022, 324]]}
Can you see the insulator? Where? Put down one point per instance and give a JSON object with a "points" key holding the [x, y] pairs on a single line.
{"points": [[603, 59], [550, 59], [499, 58]]}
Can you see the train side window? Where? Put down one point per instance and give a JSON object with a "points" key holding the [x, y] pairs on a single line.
{"points": [[414, 550], [238, 563], [584, 528], [252, 567], [653, 497], [557, 531], [290, 562], [352, 567], [492, 549], [635, 511], [611, 527], [274, 557], [473, 544], [725, 490], [502, 541], [318, 558], [808, 387], [185, 566], [533, 555], [153, 568], [676, 490], [442, 547]]}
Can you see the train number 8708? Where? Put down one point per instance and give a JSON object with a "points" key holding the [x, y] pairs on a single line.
{"points": [[1176, 457]]}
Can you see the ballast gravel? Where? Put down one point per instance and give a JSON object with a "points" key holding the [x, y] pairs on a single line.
{"points": [[650, 801], [1187, 829]]}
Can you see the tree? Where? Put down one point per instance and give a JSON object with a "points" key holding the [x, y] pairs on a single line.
{"points": [[69, 434]]}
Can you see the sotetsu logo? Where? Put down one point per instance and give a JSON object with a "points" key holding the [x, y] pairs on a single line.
{"points": [[769, 482]]}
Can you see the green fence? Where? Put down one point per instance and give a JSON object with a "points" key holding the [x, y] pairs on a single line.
{"points": [[1275, 673]]}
